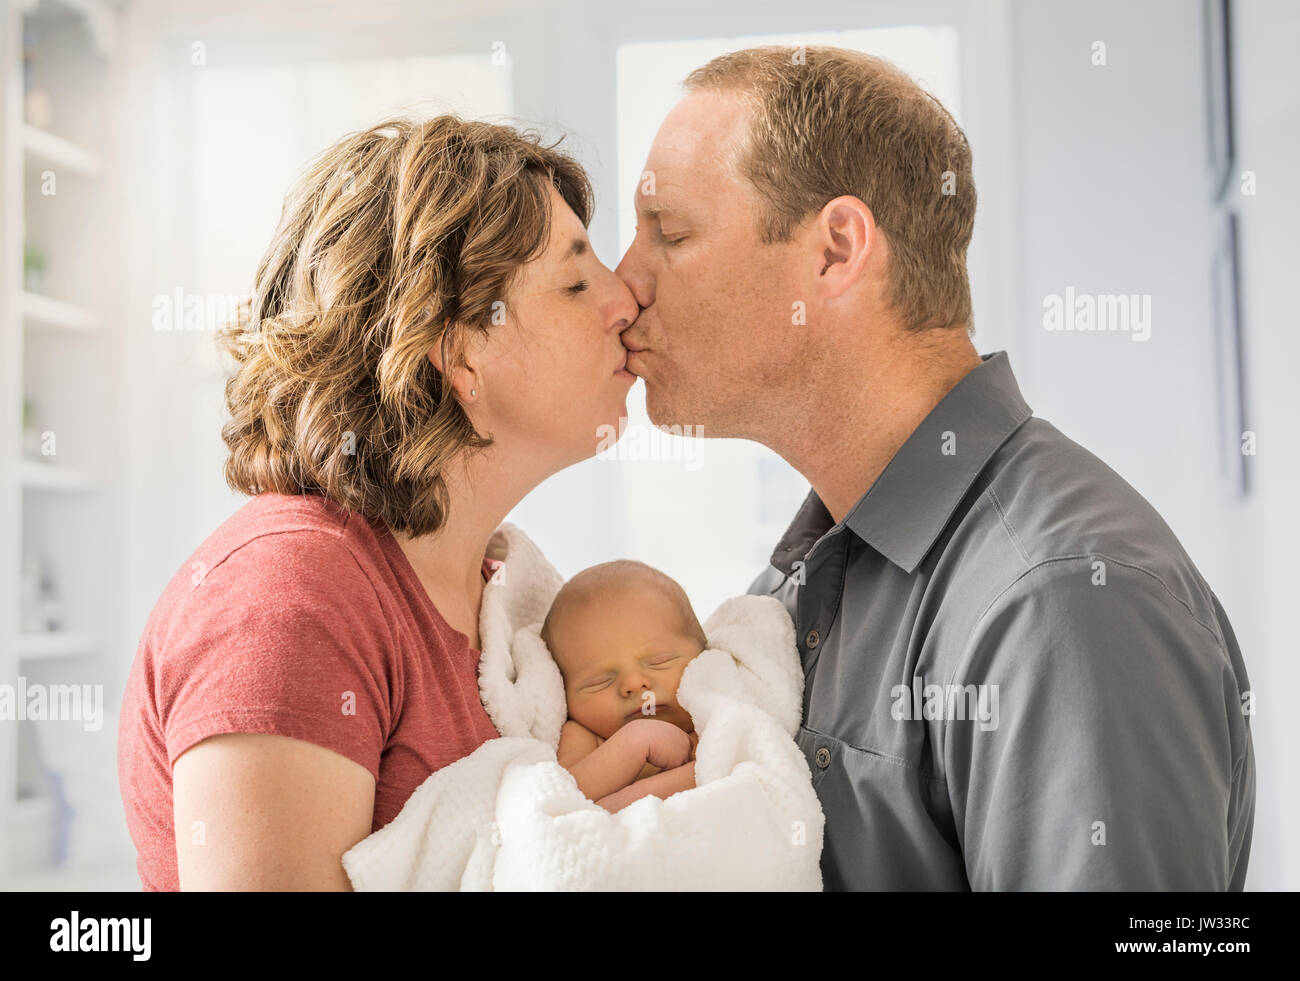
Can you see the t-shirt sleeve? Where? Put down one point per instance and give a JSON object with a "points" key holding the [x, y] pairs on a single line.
{"points": [[1115, 751], [284, 637]]}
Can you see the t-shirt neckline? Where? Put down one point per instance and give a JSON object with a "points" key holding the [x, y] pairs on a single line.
{"points": [[391, 546]]}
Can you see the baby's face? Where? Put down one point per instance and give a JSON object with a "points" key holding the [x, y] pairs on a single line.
{"points": [[620, 651]]}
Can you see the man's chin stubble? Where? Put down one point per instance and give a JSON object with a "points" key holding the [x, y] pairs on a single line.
{"points": [[688, 417]]}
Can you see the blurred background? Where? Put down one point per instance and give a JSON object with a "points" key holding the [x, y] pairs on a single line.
{"points": [[1146, 150]]}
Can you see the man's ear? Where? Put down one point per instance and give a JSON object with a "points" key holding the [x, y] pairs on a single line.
{"points": [[463, 375], [844, 235]]}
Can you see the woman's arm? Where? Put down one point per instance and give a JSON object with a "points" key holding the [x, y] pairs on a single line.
{"points": [[261, 812]]}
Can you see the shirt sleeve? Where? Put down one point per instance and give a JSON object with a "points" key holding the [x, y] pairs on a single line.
{"points": [[1118, 757], [284, 637]]}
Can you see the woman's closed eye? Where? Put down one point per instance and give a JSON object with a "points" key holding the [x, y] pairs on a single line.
{"points": [[578, 287]]}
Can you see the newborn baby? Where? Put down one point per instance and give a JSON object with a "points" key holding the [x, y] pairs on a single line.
{"points": [[622, 633]]}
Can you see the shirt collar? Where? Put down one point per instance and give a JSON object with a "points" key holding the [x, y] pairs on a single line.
{"points": [[903, 513]]}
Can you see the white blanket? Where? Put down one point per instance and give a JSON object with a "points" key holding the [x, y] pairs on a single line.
{"points": [[509, 817]]}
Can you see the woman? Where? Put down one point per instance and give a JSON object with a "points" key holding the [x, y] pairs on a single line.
{"points": [[430, 336]]}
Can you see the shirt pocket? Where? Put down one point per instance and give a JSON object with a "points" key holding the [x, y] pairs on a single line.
{"points": [[881, 826], [826, 753]]}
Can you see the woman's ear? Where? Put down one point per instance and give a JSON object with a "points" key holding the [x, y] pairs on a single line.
{"points": [[463, 376], [844, 234]]}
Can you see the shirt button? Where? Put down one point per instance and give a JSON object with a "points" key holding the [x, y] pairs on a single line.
{"points": [[823, 758], [813, 638]]}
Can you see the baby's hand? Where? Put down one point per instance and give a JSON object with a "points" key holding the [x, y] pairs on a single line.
{"points": [[666, 746]]}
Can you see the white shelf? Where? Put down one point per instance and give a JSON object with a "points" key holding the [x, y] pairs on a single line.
{"points": [[40, 506], [48, 312], [44, 147], [35, 475], [55, 644]]}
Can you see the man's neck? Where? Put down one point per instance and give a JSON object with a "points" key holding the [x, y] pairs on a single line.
{"points": [[862, 409]]}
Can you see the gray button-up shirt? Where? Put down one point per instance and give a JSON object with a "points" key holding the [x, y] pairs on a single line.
{"points": [[1015, 677]]}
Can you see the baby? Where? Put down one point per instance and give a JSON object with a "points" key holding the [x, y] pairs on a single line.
{"points": [[622, 633]]}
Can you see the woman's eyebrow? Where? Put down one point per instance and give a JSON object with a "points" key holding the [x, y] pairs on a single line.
{"points": [[576, 248]]}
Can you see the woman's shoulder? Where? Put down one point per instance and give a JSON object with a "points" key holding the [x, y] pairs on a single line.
{"points": [[275, 627], [278, 591], [285, 552], [271, 513], [290, 530]]}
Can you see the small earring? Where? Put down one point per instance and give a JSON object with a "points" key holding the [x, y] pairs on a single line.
{"points": [[473, 391]]}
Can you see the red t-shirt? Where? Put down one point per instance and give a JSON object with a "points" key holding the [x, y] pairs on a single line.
{"points": [[295, 618]]}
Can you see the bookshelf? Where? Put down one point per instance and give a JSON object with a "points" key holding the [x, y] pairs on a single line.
{"points": [[60, 410]]}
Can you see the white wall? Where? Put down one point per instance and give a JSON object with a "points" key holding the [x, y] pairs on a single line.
{"points": [[1262, 533], [1113, 201]]}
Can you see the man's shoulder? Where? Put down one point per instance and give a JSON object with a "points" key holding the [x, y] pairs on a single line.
{"points": [[1059, 505]]}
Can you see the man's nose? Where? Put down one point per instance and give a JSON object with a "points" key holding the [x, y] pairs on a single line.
{"points": [[633, 271]]}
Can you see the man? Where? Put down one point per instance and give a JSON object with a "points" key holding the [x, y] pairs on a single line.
{"points": [[1015, 678]]}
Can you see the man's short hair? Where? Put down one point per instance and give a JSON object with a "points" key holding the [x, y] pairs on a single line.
{"points": [[829, 122]]}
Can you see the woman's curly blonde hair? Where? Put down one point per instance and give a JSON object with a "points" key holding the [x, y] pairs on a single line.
{"points": [[395, 240]]}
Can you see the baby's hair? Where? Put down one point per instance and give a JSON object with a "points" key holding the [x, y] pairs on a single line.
{"points": [[589, 581]]}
